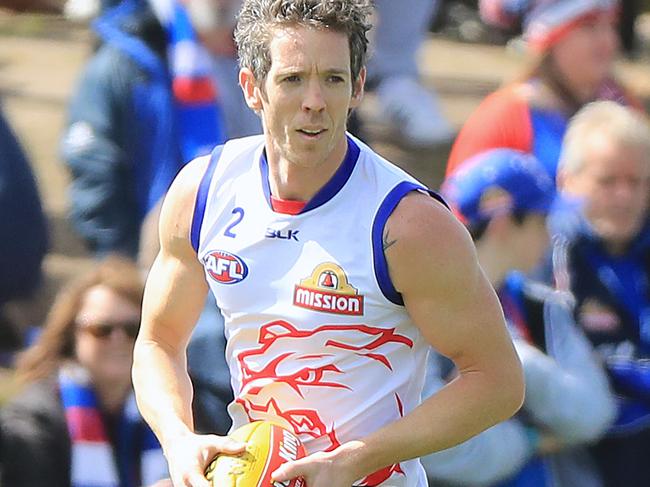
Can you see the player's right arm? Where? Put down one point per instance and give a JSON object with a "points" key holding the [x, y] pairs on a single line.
{"points": [[174, 297]]}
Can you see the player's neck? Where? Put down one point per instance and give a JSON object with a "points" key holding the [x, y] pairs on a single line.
{"points": [[293, 180]]}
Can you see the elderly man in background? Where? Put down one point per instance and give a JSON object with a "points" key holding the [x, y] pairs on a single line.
{"points": [[602, 255]]}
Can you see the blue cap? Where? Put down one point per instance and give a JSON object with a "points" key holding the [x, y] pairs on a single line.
{"points": [[498, 181]]}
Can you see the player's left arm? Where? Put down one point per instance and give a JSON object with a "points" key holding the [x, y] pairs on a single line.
{"points": [[433, 264]]}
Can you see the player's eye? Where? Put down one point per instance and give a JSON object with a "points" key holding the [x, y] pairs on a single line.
{"points": [[336, 79]]}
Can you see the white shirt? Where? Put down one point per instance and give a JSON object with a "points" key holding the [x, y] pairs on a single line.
{"points": [[318, 338]]}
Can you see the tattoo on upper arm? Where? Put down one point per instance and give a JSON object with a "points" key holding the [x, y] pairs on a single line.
{"points": [[386, 240]]}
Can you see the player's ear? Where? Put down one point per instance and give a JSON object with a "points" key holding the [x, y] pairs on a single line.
{"points": [[357, 88], [252, 92]]}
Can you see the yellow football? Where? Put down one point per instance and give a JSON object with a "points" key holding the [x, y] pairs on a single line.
{"points": [[268, 445]]}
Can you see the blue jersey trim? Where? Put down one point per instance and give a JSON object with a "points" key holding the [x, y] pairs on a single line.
{"points": [[341, 176], [264, 173], [379, 258], [330, 189], [202, 198]]}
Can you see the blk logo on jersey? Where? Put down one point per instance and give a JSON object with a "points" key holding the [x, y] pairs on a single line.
{"points": [[328, 290], [224, 267], [282, 234]]}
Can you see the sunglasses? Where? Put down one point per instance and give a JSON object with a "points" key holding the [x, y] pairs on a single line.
{"points": [[104, 330]]}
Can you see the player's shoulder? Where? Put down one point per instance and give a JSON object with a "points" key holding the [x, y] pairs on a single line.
{"points": [[179, 202], [200, 170], [420, 215], [182, 196], [186, 183], [427, 234]]}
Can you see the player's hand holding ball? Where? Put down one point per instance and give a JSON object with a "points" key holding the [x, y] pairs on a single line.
{"points": [[188, 454], [268, 446], [341, 467]]}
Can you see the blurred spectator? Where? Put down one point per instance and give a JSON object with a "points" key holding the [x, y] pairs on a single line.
{"points": [[460, 20], [75, 422], [213, 22], [502, 196], [572, 44], [153, 97], [602, 255], [411, 108], [23, 235], [156, 94]]}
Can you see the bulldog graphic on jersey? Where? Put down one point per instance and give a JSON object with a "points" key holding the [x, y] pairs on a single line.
{"points": [[277, 376]]}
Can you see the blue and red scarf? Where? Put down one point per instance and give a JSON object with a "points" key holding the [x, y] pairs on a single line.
{"points": [[136, 459], [200, 117], [180, 107]]}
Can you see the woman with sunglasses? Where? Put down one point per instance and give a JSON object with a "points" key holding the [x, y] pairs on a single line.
{"points": [[75, 421]]}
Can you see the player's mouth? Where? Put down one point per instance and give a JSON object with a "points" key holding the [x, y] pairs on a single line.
{"points": [[312, 133]]}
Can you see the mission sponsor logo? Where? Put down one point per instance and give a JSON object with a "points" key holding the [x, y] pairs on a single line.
{"points": [[224, 267], [328, 290]]}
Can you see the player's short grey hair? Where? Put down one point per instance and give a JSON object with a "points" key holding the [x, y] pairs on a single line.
{"points": [[604, 118], [258, 18]]}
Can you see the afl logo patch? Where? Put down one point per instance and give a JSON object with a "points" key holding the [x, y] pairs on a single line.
{"points": [[224, 267]]}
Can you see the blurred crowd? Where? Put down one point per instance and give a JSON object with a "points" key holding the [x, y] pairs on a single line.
{"points": [[550, 175]]}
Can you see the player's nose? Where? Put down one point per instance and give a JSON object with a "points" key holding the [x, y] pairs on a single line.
{"points": [[314, 99]]}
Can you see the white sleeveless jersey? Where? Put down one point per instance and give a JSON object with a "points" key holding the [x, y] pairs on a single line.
{"points": [[318, 338]]}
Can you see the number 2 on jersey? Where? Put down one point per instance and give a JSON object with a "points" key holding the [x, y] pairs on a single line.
{"points": [[239, 214]]}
